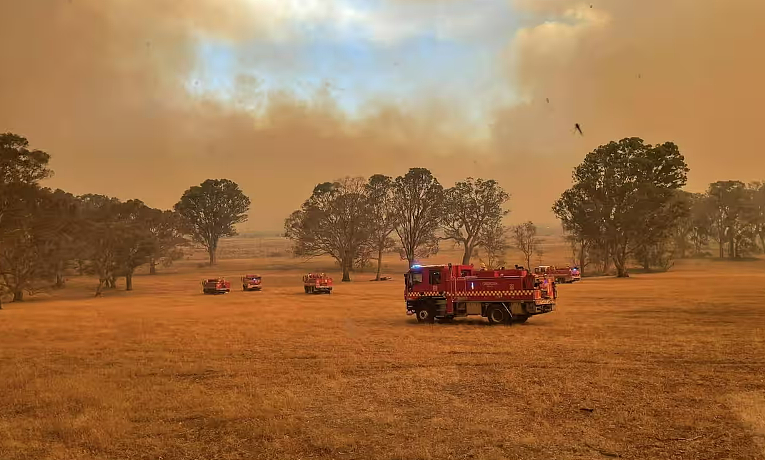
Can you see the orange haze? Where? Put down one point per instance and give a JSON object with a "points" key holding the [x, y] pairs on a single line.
{"points": [[99, 84]]}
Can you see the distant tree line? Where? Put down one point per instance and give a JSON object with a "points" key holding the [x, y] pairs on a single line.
{"points": [[355, 220], [44, 232], [627, 206]]}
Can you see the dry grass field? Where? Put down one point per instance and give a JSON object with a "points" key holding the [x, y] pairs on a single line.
{"points": [[658, 366]]}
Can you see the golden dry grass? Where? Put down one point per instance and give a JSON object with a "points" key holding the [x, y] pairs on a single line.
{"points": [[671, 365]]}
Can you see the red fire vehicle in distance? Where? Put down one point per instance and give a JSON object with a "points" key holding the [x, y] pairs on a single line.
{"points": [[215, 286], [562, 275], [317, 283], [503, 296], [251, 283]]}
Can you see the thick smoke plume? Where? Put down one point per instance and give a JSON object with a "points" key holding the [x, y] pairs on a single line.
{"points": [[102, 85]]}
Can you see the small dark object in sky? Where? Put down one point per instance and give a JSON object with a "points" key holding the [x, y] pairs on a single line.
{"points": [[590, 6], [548, 100], [640, 75], [578, 128]]}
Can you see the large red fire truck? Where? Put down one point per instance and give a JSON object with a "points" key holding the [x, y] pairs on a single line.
{"points": [[215, 286], [251, 283], [317, 283], [503, 296]]}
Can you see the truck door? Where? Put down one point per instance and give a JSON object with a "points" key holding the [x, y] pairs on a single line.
{"points": [[435, 280]]}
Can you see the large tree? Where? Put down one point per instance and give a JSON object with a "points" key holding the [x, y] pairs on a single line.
{"points": [[334, 220], [469, 207], [380, 205], [730, 203], [19, 164], [166, 229], [685, 233], [211, 210], [626, 188], [418, 200], [25, 249], [757, 210], [137, 244], [584, 230], [20, 171]]}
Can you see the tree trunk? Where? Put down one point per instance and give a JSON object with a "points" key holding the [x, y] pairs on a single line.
{"points": [[468, 253], [620, 262], [18, 296], [129, 281], [100, 287], [346, 271], [528, 261], [762, 242], [153, 266], [211, 252], [606, 260], [582, 255], [60, 281], [379, 262], [111, 282], [732, 247]]}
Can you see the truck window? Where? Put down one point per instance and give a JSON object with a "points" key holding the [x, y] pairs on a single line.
{"points": [[416, 278], [435, 277]]}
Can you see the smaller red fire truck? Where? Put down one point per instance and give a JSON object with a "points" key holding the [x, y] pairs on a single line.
{"points": [[562, 275], [251, 283], [503, 296], [317, 283], [215, 286]]}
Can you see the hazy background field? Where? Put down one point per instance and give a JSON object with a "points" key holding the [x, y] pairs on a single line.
{"points": [[660, 366]]}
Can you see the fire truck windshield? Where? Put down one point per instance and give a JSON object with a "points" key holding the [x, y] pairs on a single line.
{"points": [[414, 278]]}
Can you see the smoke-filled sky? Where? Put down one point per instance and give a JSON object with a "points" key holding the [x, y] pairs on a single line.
{"points": [[144, 98]]}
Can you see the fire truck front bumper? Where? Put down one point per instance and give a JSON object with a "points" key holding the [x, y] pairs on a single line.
{"points": [[541, 306]]}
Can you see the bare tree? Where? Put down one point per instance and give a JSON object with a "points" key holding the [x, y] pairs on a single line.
{"points": [[334, 220], [494, 243], [379, 191], [525, 239], [470, 206], [418, 207]]}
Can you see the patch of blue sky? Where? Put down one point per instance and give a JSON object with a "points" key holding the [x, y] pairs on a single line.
{"points": [[359, 67]]}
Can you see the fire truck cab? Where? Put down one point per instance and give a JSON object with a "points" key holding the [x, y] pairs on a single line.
{"points": [[449, 291]]}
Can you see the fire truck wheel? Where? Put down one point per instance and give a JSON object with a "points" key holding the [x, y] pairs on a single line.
{"points": [[424, 315], [497, 315]]}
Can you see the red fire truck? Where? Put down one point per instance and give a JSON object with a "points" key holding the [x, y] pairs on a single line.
{"points": [[503, 296], [251, 283], [562, 275], [215, 286], [317, 283]]}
